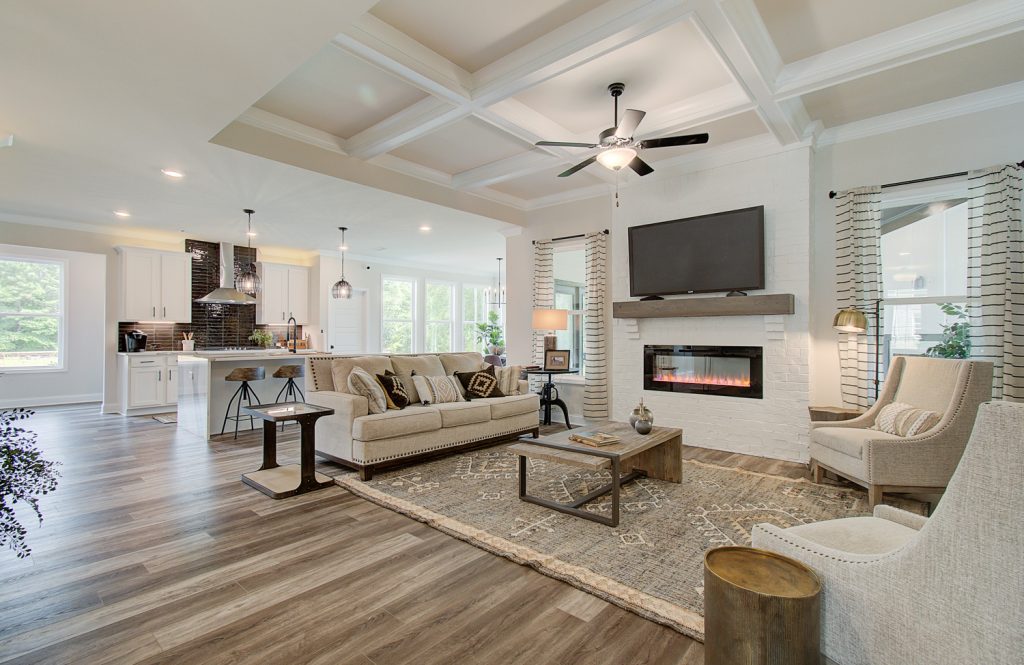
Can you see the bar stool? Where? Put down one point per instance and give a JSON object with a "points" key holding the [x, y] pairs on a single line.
{"points": [[291, 390], [245, 391]]}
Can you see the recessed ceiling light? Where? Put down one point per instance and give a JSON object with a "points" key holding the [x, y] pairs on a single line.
{"points": [[251, 234], [343, 248], [122, 213], [424, 227], [904, 253], [172, 173]]}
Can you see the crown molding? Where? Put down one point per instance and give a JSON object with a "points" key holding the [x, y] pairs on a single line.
{"points": [[974, 102]]}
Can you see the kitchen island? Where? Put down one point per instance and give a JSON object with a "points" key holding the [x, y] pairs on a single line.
{"points": [[203, 394]]}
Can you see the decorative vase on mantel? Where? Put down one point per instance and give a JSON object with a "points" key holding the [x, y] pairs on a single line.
{"points": [[641, 412]]}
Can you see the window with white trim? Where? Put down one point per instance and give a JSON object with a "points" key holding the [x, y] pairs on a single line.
{"points": [[31, 314], [398, 314], [475, 309], [439, 320], [570, 294]]}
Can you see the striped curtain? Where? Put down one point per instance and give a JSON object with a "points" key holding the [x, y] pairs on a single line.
{"points": [[995, 276], [595, 389], [543, 298], [859, 284]]}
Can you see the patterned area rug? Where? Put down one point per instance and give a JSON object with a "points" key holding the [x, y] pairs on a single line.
{"points": [[651, 564]]}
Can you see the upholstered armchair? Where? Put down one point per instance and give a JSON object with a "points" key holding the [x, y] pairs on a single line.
{"points": [[900, 588], [922, 463]]}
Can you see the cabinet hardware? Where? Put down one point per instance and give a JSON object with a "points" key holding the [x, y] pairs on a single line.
{"points": [[154, 310], [159, 375], [165, 311]]}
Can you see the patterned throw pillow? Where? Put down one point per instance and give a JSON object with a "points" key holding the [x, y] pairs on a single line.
{"points": [[508, 379], [481, 383], [361, 383], [905, 420], [437, 389], [394, 390]]}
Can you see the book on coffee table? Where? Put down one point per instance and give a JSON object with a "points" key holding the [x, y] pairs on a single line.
{"points": [[593, 438]]}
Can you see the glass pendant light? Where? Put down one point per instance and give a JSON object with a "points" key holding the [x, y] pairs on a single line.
{"points": [[248, 281], [342, 289]]}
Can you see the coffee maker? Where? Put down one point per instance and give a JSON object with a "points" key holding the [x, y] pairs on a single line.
{"points": [[134, 341]]}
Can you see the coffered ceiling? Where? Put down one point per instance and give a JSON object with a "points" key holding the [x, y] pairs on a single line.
{"points": [[457, 93]]}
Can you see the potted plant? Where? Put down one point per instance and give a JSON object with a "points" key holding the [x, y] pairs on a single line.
{"points": [[491, 335], [262, 338], [24, 476]]}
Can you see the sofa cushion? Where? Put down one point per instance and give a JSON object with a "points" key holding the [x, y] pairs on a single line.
{"points": [[848, 440], [360, 382], [470, 361], [438, 389], [858, 535], [482, 383], [905, 420], [511, 405], [394, 390], [395, 423], [429, 365], [508, 379], [342, 367], [454, 414]]}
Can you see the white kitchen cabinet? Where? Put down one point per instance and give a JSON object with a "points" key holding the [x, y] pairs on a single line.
{"points": [[146, 387], [171, 385], [285, 293], [155, 286], [148, 382]]}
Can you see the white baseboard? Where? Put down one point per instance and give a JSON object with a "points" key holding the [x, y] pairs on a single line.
{"points": [[50, 400]]}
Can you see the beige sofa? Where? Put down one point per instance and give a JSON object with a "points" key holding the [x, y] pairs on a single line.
{"points": [[367, 442]]}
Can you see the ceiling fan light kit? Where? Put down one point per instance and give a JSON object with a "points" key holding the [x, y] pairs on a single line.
{"points": [[619, 146]]}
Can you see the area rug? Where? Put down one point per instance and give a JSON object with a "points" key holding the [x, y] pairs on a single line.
{"points": [[651, 564], [166, 418]]}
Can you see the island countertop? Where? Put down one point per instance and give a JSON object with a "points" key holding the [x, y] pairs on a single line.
{"points": [[234, 356]]}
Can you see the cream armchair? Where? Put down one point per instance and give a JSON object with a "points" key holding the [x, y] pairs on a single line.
{"points": [[920, 464], [899, 588]]}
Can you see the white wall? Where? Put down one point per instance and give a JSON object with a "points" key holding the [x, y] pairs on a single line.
{"points": [[949, 146], [81, 379]]}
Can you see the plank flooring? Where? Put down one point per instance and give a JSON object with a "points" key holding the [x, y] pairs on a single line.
{"points": [[153, 551]]}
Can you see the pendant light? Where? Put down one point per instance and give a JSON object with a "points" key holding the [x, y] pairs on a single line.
{"points": [[342, 289], [248, 281], [498, 302]]}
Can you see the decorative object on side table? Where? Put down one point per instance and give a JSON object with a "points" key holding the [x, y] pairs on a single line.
{"points": [[550, 320], [760, 608], [640, 411], [24, 477], [643, 426], [556, 359], [262, 338]]}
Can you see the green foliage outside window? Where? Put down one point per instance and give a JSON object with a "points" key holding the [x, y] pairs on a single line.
{"points": [[956, 337], [30, 295]]}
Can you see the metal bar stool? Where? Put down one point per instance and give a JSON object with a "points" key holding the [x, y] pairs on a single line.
{"points": [[245, 391], [291, 391]]}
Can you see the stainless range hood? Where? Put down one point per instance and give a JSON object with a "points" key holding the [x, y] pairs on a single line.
{"points": [[226, 294]]}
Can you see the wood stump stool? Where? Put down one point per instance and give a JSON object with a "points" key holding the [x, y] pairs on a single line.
{"points": [[760, 608]]}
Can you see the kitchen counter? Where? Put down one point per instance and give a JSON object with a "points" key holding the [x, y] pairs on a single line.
{"points": [[155, 353], [231, 356]]}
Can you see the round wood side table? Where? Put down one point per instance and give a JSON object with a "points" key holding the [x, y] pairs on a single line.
{"points": [[760, 608]]}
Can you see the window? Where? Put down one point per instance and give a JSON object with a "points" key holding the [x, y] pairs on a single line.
{"points": [[570, 294], [924, 273], [398, 314], [474, 312], [31, 314], [438, 331]]}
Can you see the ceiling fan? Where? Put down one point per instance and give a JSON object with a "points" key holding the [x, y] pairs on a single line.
{"points": [[619, 147]]}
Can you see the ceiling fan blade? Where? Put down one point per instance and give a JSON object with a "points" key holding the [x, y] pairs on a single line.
{"points": [[582, 165], [640, 166], [627, 125], [689, 139], [568, 144]]}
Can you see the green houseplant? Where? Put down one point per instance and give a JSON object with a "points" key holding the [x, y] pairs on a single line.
{"points": [[491, 335], [262, 338], [24, 477], [956, 337]]}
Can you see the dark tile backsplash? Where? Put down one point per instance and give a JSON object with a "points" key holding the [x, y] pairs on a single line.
{"points": [[214, 326]]}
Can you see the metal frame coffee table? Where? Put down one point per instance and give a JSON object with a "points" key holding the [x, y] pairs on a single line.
{"points": [[655, 455], [279, 482]]}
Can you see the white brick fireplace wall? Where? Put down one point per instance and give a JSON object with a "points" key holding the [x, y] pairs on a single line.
{"points": [[775, 426]]}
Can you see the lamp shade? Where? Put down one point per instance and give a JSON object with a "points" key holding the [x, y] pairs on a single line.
{"points": [[550, 319], [850, 320]]}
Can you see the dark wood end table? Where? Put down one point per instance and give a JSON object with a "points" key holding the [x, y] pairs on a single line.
{"points": [[549, 394], [279, 482], [820, 414]]}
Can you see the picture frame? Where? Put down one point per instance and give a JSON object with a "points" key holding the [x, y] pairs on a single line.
{"points": [[556, 359]]}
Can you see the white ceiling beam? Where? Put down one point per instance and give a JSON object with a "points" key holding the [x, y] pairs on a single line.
{"points": [[409, 124], [271, 122], [507, 169], [956, 28], [735, 30]]}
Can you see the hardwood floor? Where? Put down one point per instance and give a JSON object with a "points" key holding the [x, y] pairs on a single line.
{"points": [[153, 551]]}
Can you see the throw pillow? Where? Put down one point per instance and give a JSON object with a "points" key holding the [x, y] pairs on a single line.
{"points": [[394, 390], [437, 389], [481, 383], [508, 379], [905, 420], [361, 383]]}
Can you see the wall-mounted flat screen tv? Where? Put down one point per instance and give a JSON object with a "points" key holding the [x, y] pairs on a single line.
{"points": [[719, 252]]}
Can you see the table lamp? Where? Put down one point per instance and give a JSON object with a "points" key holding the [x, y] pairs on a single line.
{"points": [[550, 319]]}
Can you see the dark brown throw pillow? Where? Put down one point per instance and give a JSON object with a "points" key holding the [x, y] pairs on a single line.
{"points": [[394, 390], [482, 383]]}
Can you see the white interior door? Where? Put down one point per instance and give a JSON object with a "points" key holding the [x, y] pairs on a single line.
{"points": [[346, 323]]}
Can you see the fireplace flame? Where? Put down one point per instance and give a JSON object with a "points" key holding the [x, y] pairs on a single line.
{"points": [[704, 379]]}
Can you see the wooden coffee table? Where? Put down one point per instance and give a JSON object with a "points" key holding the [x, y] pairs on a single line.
{"points": [[655, 455]]}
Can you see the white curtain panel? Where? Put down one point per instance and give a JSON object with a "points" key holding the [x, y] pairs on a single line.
{"points": [[995, 276], [859, 284], [595, 389], [543, 297]]}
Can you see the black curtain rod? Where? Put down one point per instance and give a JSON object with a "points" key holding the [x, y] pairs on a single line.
{"points": [[578, 235], [832, 194]]}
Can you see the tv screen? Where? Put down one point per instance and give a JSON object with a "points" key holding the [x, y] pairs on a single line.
{"points": [[719, 252]]}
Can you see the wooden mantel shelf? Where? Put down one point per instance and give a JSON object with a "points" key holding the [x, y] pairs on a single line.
{"points": [[780, 303]]}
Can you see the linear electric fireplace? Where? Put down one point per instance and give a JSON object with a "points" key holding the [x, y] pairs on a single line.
{"points": [[733, 371]]}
